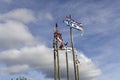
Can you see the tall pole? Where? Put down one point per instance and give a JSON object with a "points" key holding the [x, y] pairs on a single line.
{"points": [[58, 60], [54, 46], [78, 70], [67, 64], [74, 60], [77, 64], [57, 53]]}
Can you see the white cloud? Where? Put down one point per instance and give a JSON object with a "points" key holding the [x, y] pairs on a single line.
{"points": [[22, 15], [40, 58], [13, 33], [13, 28]]}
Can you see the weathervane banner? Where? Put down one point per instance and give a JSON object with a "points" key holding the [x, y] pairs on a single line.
{"points": [[73, 23]]}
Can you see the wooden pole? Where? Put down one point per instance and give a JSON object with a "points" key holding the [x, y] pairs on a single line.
{"points": [[77, 64], [54, 46], [78, 70], [57, 54], [74, 60], [67, 66], [58, 64]]}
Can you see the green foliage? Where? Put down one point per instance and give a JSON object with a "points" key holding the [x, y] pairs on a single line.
{"points": [[20, 78]]}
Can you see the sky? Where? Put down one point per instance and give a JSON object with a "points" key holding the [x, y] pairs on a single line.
{"points": [[26, 37]]}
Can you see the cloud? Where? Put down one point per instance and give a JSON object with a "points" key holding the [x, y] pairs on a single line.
{"points": [[6, 1], [14, 69], [20, 14], [14, 33], [40, 58], [14, 30], [45, 16]]}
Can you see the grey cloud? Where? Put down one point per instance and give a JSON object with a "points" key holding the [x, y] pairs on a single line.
{"points": [[14, 69]]}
